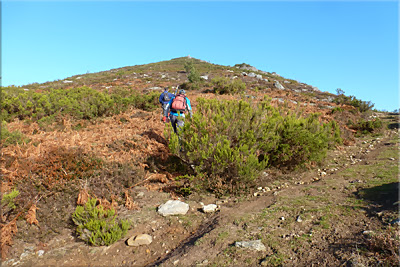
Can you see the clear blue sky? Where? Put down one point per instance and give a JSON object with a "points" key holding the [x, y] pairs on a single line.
{"points": [[352, 45]]}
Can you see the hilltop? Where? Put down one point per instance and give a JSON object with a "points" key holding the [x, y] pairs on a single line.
{"points": [[100, 135]]}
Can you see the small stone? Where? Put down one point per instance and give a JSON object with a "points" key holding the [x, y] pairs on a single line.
{"points": [[254, 245], [391, 159], [368, 232], [267, 189], [142, 239], [209, 208], [299, 219], [173, 207], [140, 194], [40, 253], [259, 188], [176, 262], [282, 218]]}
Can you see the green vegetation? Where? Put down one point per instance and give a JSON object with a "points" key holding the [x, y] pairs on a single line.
{"points": [[224, 85], [80, 103], [362, 106], [367, 126], [11, 138], [98, 226], [230, 142], [193, 75], [9, 199]]}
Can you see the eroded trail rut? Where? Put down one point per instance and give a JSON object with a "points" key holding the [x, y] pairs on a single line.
{"points": [[186, 245]]}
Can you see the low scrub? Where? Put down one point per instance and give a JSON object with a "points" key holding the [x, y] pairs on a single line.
{"points": [[97, 225], [229, 143], [11, 138], [367, 126], [361, 105], [224, 85], [80, 103]]}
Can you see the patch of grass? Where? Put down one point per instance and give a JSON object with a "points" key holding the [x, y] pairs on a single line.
{"points": [[221, 236], [324, 222], [276, 259]]}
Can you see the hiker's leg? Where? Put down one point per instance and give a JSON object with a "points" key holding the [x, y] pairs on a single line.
{"points": [[180, 124], [173, 120]]}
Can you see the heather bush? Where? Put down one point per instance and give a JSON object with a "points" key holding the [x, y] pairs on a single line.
{"points": [[11, 138], [193, 75], [97, 225], [362, 106], [80, 103], [367, 126], [229, 143], [224, 85]]}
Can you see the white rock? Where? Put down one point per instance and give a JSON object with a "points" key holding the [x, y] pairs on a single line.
{"points": [[142, 239], [209, 208], [40, 253], [368, 232], [173, 207], [255, 245]]}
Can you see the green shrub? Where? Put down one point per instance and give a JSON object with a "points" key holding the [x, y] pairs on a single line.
{"points": [[97, 226], [367, 126], [336, 110], [362, 106], [229, 143], [193, 75], [80, 103], [224, 85], [9, 199], [11, 138]]}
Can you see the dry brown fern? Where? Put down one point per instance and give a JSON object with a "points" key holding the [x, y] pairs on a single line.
{"points": [[7, 232], [31, 215], [129, 204], [83, 197]]}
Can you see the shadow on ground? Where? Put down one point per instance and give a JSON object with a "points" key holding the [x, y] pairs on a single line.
{"points": [[384, 197]]}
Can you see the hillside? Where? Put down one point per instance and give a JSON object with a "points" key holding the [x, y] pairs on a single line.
{"points": [[111, 144]]}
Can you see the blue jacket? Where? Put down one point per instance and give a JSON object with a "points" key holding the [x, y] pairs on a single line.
{"points": [[161, 100], [167, 108]]}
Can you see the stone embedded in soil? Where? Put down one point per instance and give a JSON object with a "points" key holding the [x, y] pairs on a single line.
{"points": [[209, 208], [142, 239], [368, 232], [173, 207], [254, 245]]}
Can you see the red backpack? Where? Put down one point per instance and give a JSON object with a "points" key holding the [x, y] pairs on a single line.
{"points": [[179, 104]]}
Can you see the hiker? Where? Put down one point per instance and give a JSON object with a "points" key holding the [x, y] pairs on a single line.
{"points": [[165, 97], [177, 107]]}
